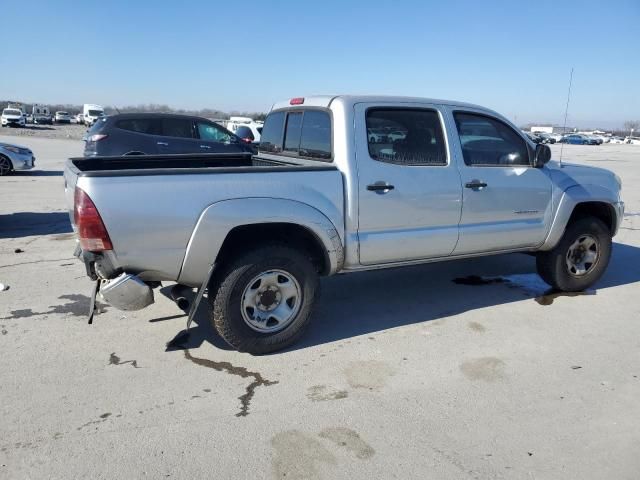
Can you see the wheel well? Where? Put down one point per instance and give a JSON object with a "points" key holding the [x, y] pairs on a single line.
{"points": [[245, 237], [600, 210]]}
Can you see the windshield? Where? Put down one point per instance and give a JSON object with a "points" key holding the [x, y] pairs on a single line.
{"points": [[96, 113], [11, 111], [62, 113]]}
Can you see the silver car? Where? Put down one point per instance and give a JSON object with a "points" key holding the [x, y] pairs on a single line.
{"points": [[15, 157]]}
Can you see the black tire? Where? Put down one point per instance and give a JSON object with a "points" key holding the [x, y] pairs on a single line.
{"points": [[226, 296], [552, 265], [5, 166]]}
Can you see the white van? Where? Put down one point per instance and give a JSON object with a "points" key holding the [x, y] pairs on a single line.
{"points": [[90, 113]]}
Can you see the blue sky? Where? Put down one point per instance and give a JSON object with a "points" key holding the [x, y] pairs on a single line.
{"points": [[512, 56]]}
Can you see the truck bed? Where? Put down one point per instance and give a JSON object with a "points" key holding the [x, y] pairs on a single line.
{"points": [[182, 164], [150, 205]]}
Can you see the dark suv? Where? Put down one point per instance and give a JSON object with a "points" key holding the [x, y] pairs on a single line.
{"points": [[157, 134]]}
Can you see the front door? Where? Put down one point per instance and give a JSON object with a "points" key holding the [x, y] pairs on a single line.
{"points": [[409, 190], [506, 202]]}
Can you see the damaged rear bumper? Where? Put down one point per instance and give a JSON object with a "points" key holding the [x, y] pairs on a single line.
{"points": [[121, 290], [126, 292]]}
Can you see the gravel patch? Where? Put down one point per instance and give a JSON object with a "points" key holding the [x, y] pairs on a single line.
{"points": [[71, 131]]}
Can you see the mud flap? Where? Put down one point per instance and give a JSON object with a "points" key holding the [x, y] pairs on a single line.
{"points": [[92, 302], [203, 287]]}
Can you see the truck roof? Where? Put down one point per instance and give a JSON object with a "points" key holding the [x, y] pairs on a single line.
{"points": [[350, 100]]}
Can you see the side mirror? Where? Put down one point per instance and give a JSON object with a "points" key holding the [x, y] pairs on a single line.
{"points": [[542, 155]]}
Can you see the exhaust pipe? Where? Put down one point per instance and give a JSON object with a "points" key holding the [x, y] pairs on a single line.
{"points": [[180, 294]]}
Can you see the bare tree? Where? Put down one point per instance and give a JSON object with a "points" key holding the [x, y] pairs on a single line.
{"points": [[632, 125]]}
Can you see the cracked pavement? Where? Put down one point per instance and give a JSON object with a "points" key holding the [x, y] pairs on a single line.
{"points": [[438, 371]]}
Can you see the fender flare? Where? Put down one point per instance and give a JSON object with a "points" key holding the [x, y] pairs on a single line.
{"points": [[218, 219], [572, 197]]}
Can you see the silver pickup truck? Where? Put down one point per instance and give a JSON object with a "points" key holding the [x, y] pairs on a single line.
{"points": [[340, 184]]}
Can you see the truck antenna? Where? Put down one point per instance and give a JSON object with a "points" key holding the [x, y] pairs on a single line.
{"points": [[117, 109], [566, 111]]}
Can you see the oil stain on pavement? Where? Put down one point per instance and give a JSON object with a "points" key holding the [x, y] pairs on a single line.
{"points": [[368, 374], [321, 393], [530, 284], [349, 439], [299, 455], [488, 369], [245, 399], [115, 360], [550, 295], [77, 305]]}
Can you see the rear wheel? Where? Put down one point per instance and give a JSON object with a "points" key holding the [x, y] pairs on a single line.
{"points": [[262, 301], [5, 166], [579, 259]]}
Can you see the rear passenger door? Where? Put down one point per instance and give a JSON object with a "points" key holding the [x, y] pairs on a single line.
{"points": [[409, 192], [177, 136], [135, 136]]}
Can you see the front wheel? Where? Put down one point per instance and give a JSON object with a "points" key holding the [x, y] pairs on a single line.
{"points": [[262, 301], [579, 259], [5, 166]]}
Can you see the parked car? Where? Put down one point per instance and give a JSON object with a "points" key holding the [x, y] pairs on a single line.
{"points": [[62, 117], [14, 158], [534, 137], [556, 136], [43, 119], [546, 138], [633, 140], [159, 133], [579, 139], [320, 199], [12, 117], [249, 133], [245, 128], [79, 118], [616, 139]]}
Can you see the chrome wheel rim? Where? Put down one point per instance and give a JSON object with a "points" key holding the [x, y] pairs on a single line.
{"points": [[583, 255], [271, 301], [5, 166]]}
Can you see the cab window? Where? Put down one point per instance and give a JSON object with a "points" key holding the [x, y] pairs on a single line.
{"points": [[406, 136], [488, 142]]}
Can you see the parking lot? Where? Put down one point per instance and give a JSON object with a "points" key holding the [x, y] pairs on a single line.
{"points": [[467, 369]]}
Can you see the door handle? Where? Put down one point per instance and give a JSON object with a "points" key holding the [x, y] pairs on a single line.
{"points": [[380, 188], [205, 146], [165, 144], [475, 184]]}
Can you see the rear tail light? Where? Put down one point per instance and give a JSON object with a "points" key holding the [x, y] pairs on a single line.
{"points": [[246, 140], [296, 101], [97, 137], [93, 235]]}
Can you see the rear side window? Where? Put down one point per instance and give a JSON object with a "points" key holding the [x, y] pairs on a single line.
{"points": [[271, 139], [488, 142], [148, 126], [177, 127], [212, 133], [292, 132], [406, 136], [315, 138], [302, 133], [98, 126]]}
